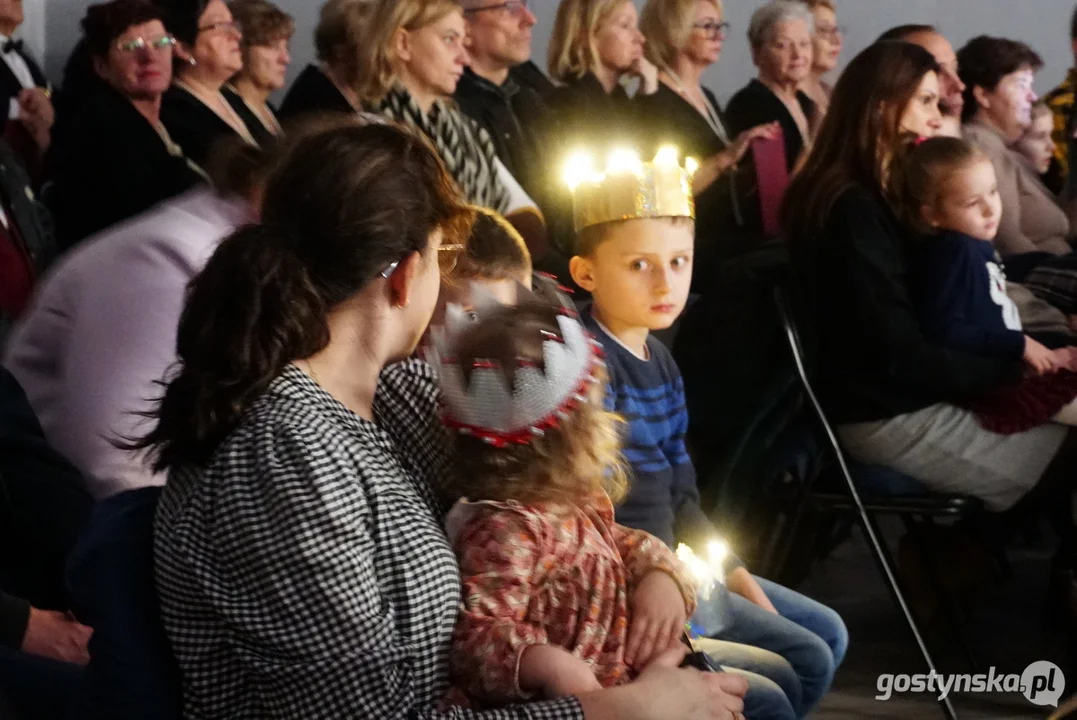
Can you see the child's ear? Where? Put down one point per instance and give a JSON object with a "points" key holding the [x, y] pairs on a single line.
{"points": [[582, 270], [930, 216]]}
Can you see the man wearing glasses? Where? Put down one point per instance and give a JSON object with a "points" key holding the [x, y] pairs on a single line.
{"points": [[499, 39], [502, 91]]}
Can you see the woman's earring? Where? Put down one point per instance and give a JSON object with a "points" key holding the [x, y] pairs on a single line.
{"points": [[192, 61]]}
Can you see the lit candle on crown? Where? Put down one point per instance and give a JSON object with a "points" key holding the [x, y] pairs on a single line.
{"points": [[668, 176], [666, 156], [579, 169], [622, 162]]}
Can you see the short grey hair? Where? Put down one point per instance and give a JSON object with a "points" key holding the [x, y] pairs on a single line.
{"points": [[774, 13]]}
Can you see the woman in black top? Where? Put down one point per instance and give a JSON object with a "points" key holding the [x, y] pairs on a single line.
{"points": [[780, 35], [112, 157], [331, 86], [683, 41], [195, 110], [890, 390], [267, 32], [596, 45]]}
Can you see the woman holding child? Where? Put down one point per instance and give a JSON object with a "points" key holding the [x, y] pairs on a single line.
{"points": [[893, 392], [301, 563]]}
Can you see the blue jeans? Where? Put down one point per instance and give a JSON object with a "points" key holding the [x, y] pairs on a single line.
{"points": [[789, 659]]}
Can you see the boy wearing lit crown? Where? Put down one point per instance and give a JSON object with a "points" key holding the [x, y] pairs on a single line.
{"points": [[633, 253]]}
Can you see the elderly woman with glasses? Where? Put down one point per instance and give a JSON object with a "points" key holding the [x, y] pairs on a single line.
{"points": [[780, 35], [684, 38], [195, 109], [828, 40], [115, 158], [267, 33]]}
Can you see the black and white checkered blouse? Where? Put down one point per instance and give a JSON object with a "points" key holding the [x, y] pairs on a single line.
{"points": [[304, 573]]}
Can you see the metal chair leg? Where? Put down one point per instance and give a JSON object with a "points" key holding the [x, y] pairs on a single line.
{"points": [[886, 567], [882, 556]]}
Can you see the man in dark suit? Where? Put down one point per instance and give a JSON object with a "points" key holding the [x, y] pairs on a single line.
{"points": [[25, 96]]}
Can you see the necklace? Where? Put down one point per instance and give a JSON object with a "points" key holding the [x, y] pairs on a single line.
{"points": [[710, 114], [176, 151], [222, 110], [265, 115]]}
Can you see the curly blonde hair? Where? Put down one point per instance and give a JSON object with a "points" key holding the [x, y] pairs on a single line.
{"points": [[570, 463]]}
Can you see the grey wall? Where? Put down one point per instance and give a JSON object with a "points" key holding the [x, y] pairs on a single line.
{"points": [[1044, 24]]}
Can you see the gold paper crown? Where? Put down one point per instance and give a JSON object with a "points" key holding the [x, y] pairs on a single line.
{"points": [[630, 188]]}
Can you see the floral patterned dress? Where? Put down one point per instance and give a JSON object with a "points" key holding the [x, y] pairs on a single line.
{"points": [[537, 574]]}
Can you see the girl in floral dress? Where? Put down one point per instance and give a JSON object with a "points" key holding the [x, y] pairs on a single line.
{"points": [[554, 592]]}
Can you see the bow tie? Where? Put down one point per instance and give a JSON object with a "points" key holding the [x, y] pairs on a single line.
{"points": [[12, 46]]}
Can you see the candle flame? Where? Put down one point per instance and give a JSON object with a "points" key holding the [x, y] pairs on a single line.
{"points": [[624, 161], [578, 170], [667, 156]]}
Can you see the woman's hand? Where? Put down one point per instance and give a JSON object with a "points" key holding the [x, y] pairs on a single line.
{"points": [[711, 168], [555, 672], [742, 583], [657, 620], [739, 147], [665, 691], [1039, 358], [647, 73]]}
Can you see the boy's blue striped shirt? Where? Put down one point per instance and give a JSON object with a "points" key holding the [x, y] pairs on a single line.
{"points": [[649, 394]]}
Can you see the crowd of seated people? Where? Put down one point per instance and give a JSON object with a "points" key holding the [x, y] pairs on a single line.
{"points": [[223, 304]]}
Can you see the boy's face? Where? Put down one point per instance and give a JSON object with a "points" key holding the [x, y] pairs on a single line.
{"points": [[461, 293], [640, 274]]}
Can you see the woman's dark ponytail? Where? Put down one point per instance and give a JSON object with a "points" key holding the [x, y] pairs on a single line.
{"points": [[273, 315], [345, 202]]}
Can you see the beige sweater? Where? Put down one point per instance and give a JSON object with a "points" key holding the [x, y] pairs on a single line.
{"points": [[1032, 220]]}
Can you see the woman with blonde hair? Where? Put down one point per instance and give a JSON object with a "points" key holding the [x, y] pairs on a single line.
{"points": [[330, 85], [684, 38], [412, 56], [596, 45], [827, 40]]}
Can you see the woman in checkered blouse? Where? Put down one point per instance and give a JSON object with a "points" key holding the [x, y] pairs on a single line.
{"points": [[300, 560]]}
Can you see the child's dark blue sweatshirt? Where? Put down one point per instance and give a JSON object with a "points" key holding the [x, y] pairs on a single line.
{"points": [[961, 294], [663, 498]]}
